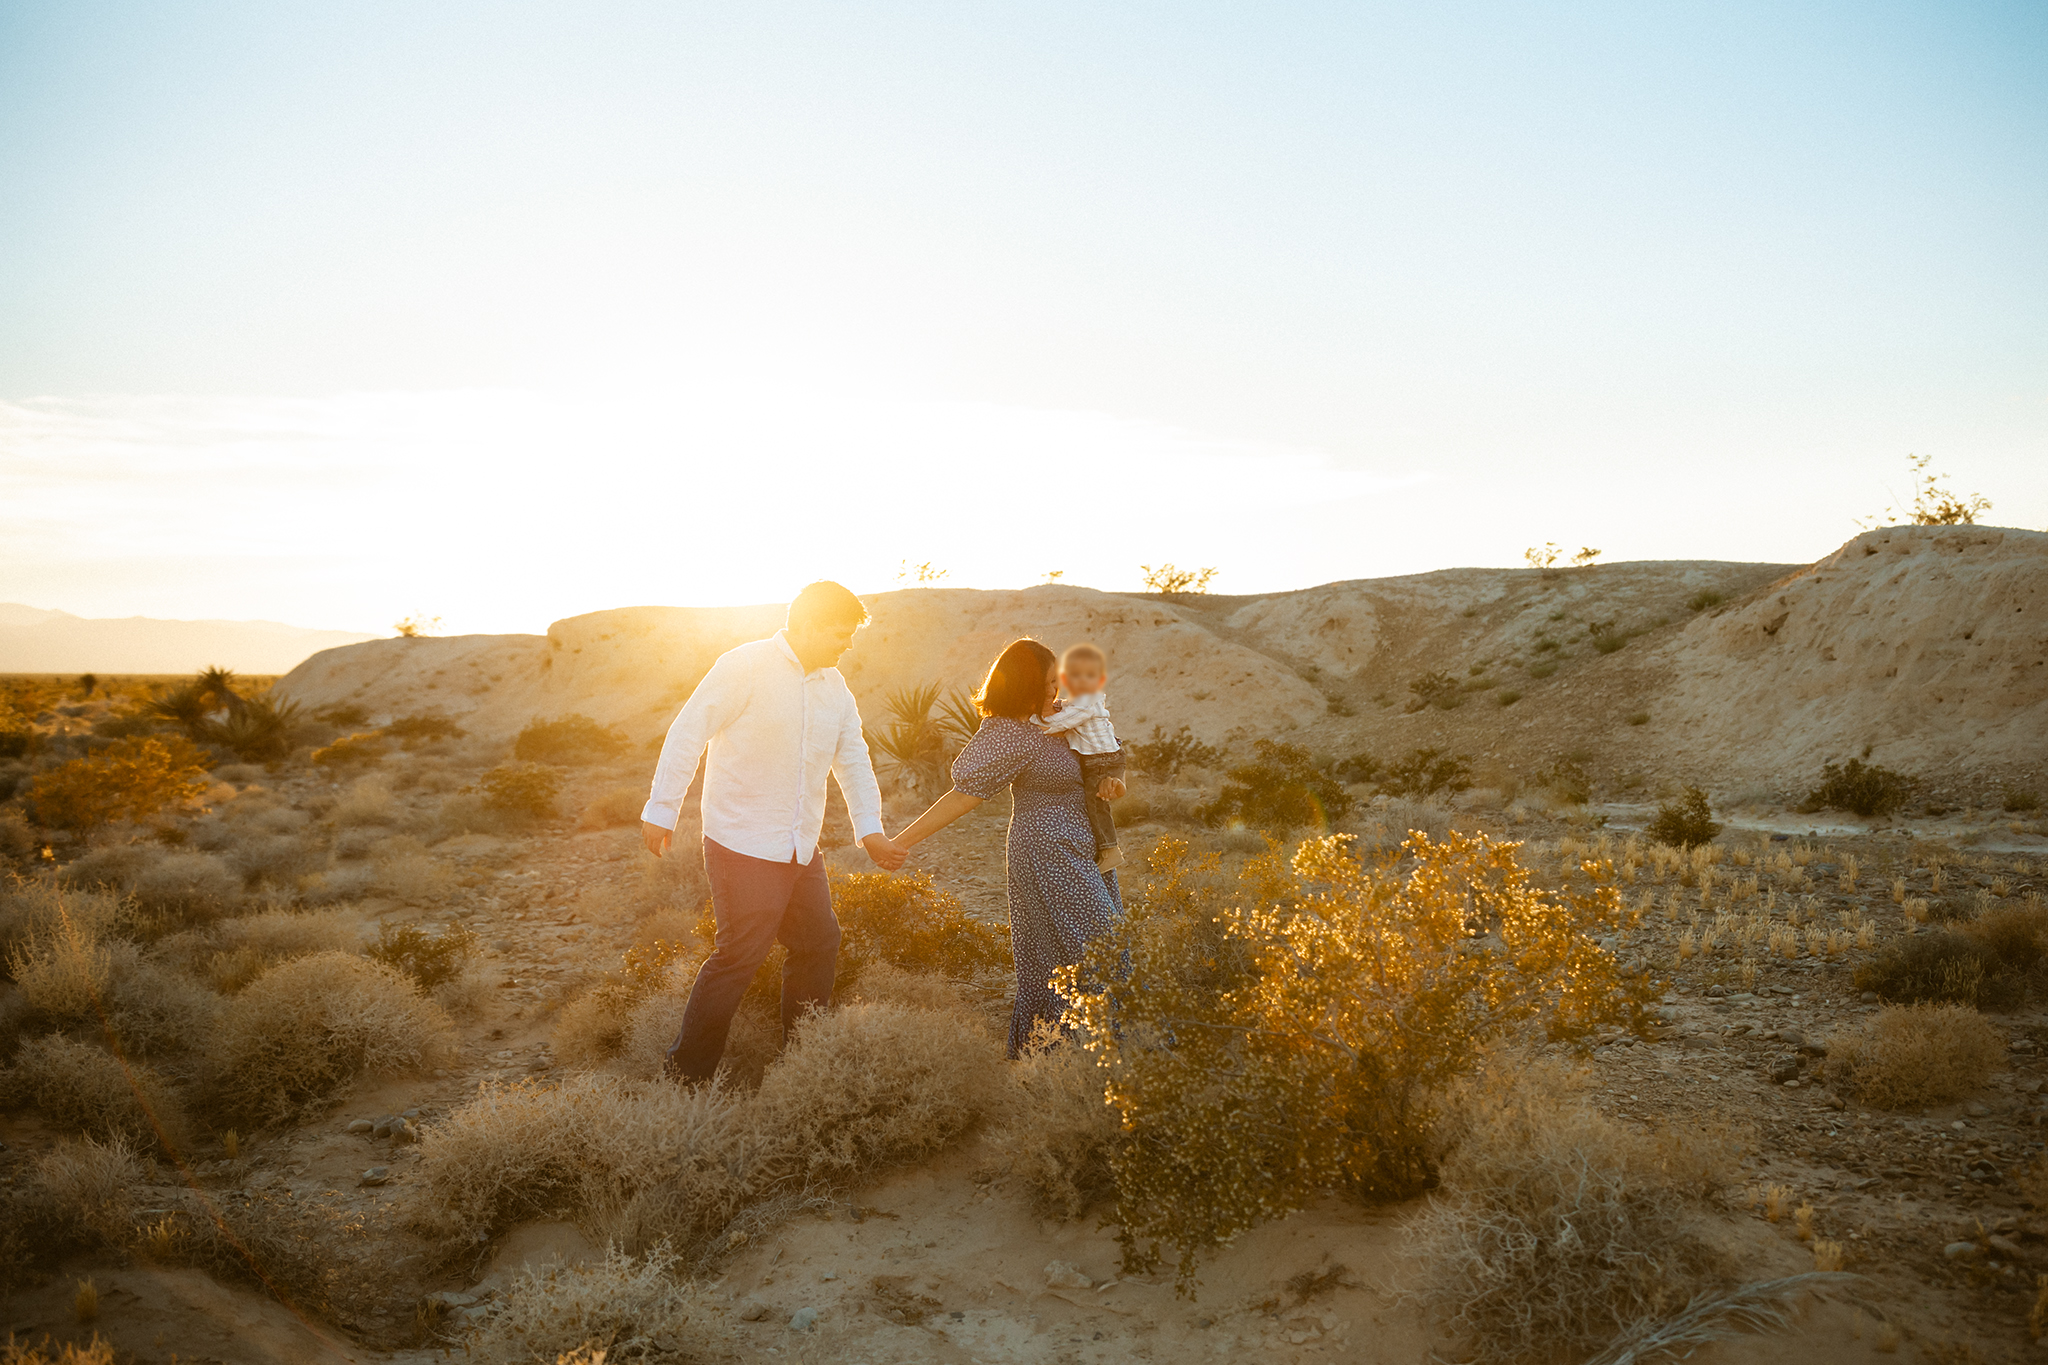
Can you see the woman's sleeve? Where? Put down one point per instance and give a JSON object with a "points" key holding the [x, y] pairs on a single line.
{"points": [[993, 757]]}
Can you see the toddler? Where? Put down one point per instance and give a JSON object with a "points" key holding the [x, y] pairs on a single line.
{"points": [[1084, 719]]}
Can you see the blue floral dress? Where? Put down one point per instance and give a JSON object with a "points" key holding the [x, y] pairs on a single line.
{"points": [[1059, 899]]}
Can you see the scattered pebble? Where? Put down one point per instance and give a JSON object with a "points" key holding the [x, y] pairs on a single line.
{"points": [[361, 1126], [803, 1319], [753, 1310], [376, 1175], [1962, 1251], [1066, 1275]]}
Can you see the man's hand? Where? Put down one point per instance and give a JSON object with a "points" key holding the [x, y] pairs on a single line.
{"points": [[1111, 788], [886, 854], [655, 837]]}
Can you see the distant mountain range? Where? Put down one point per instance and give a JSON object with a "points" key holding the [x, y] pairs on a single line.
{"points": [[36, 641]]}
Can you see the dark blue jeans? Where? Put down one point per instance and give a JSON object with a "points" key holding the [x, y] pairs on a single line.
{"points": [[756, 902]]}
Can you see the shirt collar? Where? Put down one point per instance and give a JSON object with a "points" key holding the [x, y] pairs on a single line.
{"points": [[782, 641]]}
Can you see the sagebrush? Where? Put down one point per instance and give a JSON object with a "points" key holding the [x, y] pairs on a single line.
{"points": [[1915, 1055]]}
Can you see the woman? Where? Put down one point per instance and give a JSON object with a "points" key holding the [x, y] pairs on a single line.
{"points": [[1059, 899]]}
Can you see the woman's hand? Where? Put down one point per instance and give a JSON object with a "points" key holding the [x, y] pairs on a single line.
{"points": [[1110, 789]]}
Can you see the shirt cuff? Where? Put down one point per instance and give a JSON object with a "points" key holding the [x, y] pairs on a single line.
{"points": [[864, 825], [655, 813]]}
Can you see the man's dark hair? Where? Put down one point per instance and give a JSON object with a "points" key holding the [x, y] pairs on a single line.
{"points": [[826, 603], [1015, 685]]}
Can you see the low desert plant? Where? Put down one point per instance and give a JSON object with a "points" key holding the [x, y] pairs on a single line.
{"points": [[1704, 598], [38, 908], [1686, 822], [231, 953], [1862, 790], [1426, 771], [619, 806], [90, 1090], [361, 750], [310, 1025], [366, 802], [1439, 689], [413, 731], [92, 1184], [906, 921], [522, 789], [592, 1027], [1164, 754], [93, 1352], [70, 975], [570, 739], [431, 960], [2017, 800], [1283, 787], [131, 779], [1170, 580], [1915, 1055], [1942, 966], [1558, 1228], [1296, 1035], [622, 1308], [1057, 1131], [1507, 696]]}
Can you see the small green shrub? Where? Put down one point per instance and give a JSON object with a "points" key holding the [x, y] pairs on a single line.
{"points": [[1426, 771], [1942, 966], [1607, 637], [1864, 790], [1164, 755], [1282, 788], [1704, 598], [569, 740], [1435, 689], [2018, 801], [521, 789], [429, 959], [1687, 822], [1568, 781]]}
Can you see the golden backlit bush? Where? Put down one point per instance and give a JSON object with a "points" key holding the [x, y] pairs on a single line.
{"points": [[1557, 1228], [70, 976], [131, 779], [619, 806], [88, 1090], [1297, 1032], [1056, 1130], [309, 1026], [905, 920], [1909, 1055], [623, 1308], [93, 1352]]}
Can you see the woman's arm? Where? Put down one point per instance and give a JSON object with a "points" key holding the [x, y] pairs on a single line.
{"points": [[942, 813]]}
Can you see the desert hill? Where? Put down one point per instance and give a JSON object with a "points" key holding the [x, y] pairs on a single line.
{"points": [[37, 641], [1924, 648]]}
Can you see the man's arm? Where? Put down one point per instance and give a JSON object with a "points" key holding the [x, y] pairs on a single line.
{"points": [[854, 771], [720, 697]]}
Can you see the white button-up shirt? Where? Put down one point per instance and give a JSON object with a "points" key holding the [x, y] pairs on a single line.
{"points": [[774, 732]]}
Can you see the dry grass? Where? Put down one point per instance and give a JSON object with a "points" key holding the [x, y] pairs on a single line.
{"points": [[1906, 1056], [35, 909], [69, 976], [228, 955], [1559, 1229], [94, 1352], [368, 801], [87, 1089], [621, 1308], [308, 1026], [1057, 1129], [619, 806], [91, 1183]]}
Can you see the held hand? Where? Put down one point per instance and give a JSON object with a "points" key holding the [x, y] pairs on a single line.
{"points": [[1111, 788], [885, 853], [656, 838]]}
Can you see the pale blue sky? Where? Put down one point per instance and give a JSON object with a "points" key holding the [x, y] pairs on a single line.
{"points": [[1310, 291]]}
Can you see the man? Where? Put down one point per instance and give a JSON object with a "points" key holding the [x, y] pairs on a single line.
{"points": [[777, 717]]}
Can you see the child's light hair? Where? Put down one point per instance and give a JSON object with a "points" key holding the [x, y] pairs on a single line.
{"points": [[1084, 653]]}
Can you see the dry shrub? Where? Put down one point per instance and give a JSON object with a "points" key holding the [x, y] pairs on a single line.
{"points": [[1057, 1131], [33, 909], [905, 920], [174, 884], [569, 739], [431, 960], [644, 1161], [620, 1308], [1557, 1228], [867, 1085], [69, 975], [1906, 1056], [92, 1183], [311, 1025], [90, 1090], [277, 860], [228, 955], [94, 1352], [18, 839], [521, 791], [1263, 1046], [619, 806], [352, 751], [350, 882], [592, 1028], [366, 802], [2015, 933], [131, 779]]}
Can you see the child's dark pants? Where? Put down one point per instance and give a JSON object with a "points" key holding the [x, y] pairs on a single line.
{"points": [[756, 902], [1095, 767]]}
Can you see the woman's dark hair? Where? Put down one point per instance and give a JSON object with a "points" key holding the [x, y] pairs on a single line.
{"points": [[1015, 685]]}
